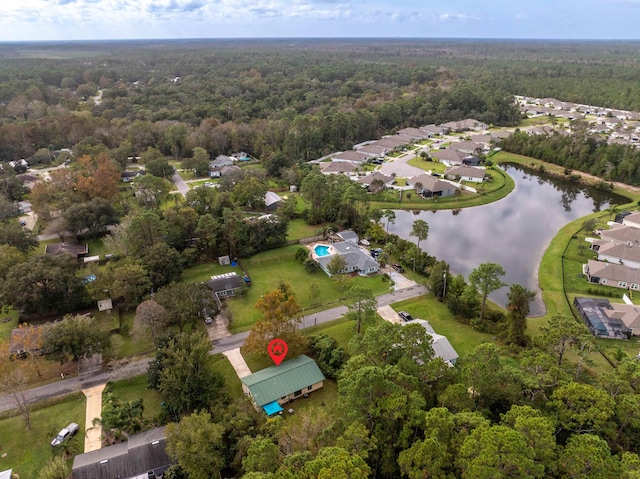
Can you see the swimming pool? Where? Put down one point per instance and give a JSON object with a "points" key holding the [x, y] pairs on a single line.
{"points": [[321, 250]]}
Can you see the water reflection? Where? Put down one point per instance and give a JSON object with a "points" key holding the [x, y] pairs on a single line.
{"points": [[513, 232]]}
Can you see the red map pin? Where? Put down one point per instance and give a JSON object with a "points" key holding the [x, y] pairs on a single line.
{"points": [[277, 349]]}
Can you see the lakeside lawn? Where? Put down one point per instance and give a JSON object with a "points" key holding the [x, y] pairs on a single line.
{"points": [[28, 450], [501, 185], [269, 268], [462, 337]]}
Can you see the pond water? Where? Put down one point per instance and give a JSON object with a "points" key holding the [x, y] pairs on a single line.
{"points": [[513, 232]]}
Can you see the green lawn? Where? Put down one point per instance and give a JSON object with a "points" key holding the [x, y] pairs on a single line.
{"points": [[6, 327], [233, 386], [268, 268], [299, 229], [135, 388], [27, 451], [461, 336], [96, 247]]}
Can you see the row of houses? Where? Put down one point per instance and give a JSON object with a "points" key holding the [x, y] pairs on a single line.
{"points": [[620, 126], [618, 266]]}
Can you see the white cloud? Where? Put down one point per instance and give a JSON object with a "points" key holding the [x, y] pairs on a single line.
{"points": [[448, 17]]}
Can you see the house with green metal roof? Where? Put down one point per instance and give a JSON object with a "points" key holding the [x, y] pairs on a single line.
{"points": [[277, 385]]}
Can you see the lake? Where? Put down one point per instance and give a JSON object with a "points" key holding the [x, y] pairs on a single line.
{"points": [[513, 232]]}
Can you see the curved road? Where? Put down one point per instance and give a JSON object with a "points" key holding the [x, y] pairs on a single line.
{"points": [[135, 368]]}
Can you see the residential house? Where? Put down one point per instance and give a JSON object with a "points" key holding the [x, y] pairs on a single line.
{"points": [[28, 180], [619, 234], [628, 255], [601, 320], [441, 346], [435, 130], [216, 166], [339, 167], [351, 156], [24, 339], [272, 200], [502, 134], [465, 125], [465, 173], [450, 156], [415, 133], [228, 170], [129, 175], [275, 386], [226, 284], [241, 156], [390, 143], [611, 274], [373, 176], [143, 455], [71, 248], [430, 187], [468, 147], [632, 220], [484, 139], [374, 151], [356, 260]]}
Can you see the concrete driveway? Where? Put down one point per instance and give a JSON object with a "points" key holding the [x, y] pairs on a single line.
{"points": [[237, 361], [388, 314], [92, 437]]}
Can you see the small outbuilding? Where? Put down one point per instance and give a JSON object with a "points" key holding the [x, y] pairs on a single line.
{"points": [[272, 387]]}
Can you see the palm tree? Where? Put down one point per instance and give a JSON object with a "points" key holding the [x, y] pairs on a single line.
{"points": [[421, 231]]}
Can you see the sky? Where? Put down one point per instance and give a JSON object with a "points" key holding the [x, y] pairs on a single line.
{"points": [[59, 20]]}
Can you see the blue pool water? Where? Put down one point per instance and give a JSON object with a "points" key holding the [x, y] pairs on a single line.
{"points": [[321, 250]]}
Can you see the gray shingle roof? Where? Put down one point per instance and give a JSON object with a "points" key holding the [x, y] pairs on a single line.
{"points": [[143, 452]]}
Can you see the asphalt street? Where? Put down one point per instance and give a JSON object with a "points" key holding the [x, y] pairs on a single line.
{"points": [[134, 368]]}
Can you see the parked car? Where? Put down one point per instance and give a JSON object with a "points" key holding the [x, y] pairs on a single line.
{"points": [[397, 267], [65, 434], [207, 317], [405, 316], [376, 252]]}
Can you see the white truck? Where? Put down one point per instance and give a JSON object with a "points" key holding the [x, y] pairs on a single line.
{"points": [[65, 434]]}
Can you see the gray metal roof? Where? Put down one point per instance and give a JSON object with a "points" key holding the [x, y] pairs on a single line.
{"points": [[225, 282], [276, 382], [441, 346]]}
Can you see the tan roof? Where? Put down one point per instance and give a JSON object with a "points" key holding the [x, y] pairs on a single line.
{"points": [[614, 272], [629, 314], [466, 146], [431, 183], [620, 250], [621, 233], [376, 175], [632, 218], [469, 171], [339, 167], [373, 150], [351, 155], [449, 155]]}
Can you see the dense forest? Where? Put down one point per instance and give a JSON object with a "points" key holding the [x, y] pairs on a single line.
{"points": [[530, 408]]}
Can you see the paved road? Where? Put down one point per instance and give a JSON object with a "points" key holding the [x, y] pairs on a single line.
{"points": [[227, 343], [183, 188]]}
